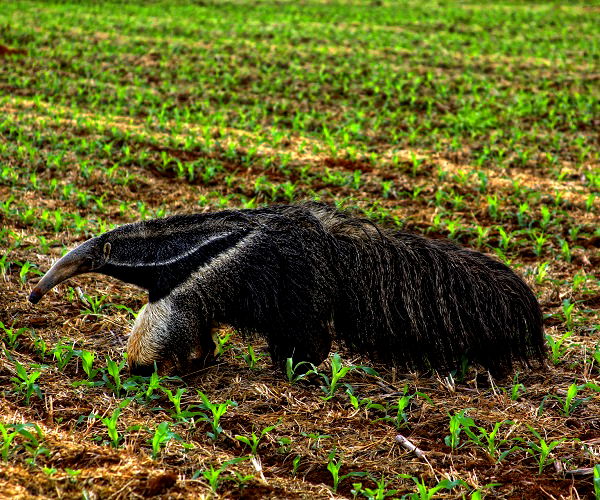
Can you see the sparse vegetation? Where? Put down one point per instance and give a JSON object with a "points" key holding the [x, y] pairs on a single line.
{"points": [[474, 121]]}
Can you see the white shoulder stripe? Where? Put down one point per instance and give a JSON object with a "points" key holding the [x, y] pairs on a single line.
{"points": [[217, 262], [173, 259]]}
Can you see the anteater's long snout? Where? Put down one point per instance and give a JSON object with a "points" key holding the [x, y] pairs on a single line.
{"points": [[72, 264]]}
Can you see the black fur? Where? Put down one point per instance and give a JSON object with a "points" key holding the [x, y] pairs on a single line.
{"points": [[303, 275]]}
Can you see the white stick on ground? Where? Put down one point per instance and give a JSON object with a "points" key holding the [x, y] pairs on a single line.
{"points": [[405, 443]]}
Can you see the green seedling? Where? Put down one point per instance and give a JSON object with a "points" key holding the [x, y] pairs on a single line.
{"points": [[546, 217], [213, 476], [62, 354], [251, 358], [95, 305], [222, 343], [29, 437], [482, 234], [334, 466], [153, 385], [539, 240], [565, 250], [567, 310], [175, 399], [295, 373], [541, 450], [11, 335], [338, 372], [111, 426], [40, 346], [354, 401], [296, 464], [254, 440], [516, 389], [217, 410], [73, 474], [27, 268], [579, 281], [5, 266], [570, 402], [87, 362], [399, 417], [162, 435], [489, 440], [113, 378], [25, 382], [542, 271], [424, 492], [379, 492], [493, 206], [316, 438], [558, 348], [458, 422]]}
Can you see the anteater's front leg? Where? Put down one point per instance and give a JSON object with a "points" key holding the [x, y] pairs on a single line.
{"points": [[172, 332]]}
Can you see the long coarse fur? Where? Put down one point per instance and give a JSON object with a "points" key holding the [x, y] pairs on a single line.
{"points": [[303, 275]]}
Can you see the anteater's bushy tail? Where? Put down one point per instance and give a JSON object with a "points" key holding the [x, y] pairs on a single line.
{"points": [[423, 303]]}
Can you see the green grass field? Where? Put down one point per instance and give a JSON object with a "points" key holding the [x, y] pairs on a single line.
{"points": [[475, 121]]}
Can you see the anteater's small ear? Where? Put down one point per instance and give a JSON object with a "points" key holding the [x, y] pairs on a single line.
{"points": [[106, 250]]}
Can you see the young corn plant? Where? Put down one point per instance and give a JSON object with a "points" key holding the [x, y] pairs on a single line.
{"points": [[25, 382], [489, 440], [299, 371], [63, 353], [557, 347], [222, 343], [28, 436], [567, 311], [251, 357], [570, 402], [316, 438], [379, 492], [214, 476], [458, 422], [11, 335], [516, 389], [217, 410], [254, 440], [338, 372], [541, 449], [40, 346], [397, 413], [111, 426], [95, 305], [113, 378], [542, 271], [425, 492], [334, 466], [87, 362], [162, 435], [179, 414]]}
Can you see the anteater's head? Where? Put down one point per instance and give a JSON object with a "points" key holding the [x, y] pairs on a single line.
{"points": [[157, 255], [90, 256]]}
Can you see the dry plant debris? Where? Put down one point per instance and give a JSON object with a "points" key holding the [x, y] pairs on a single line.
{"points": [[476, 122]]}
